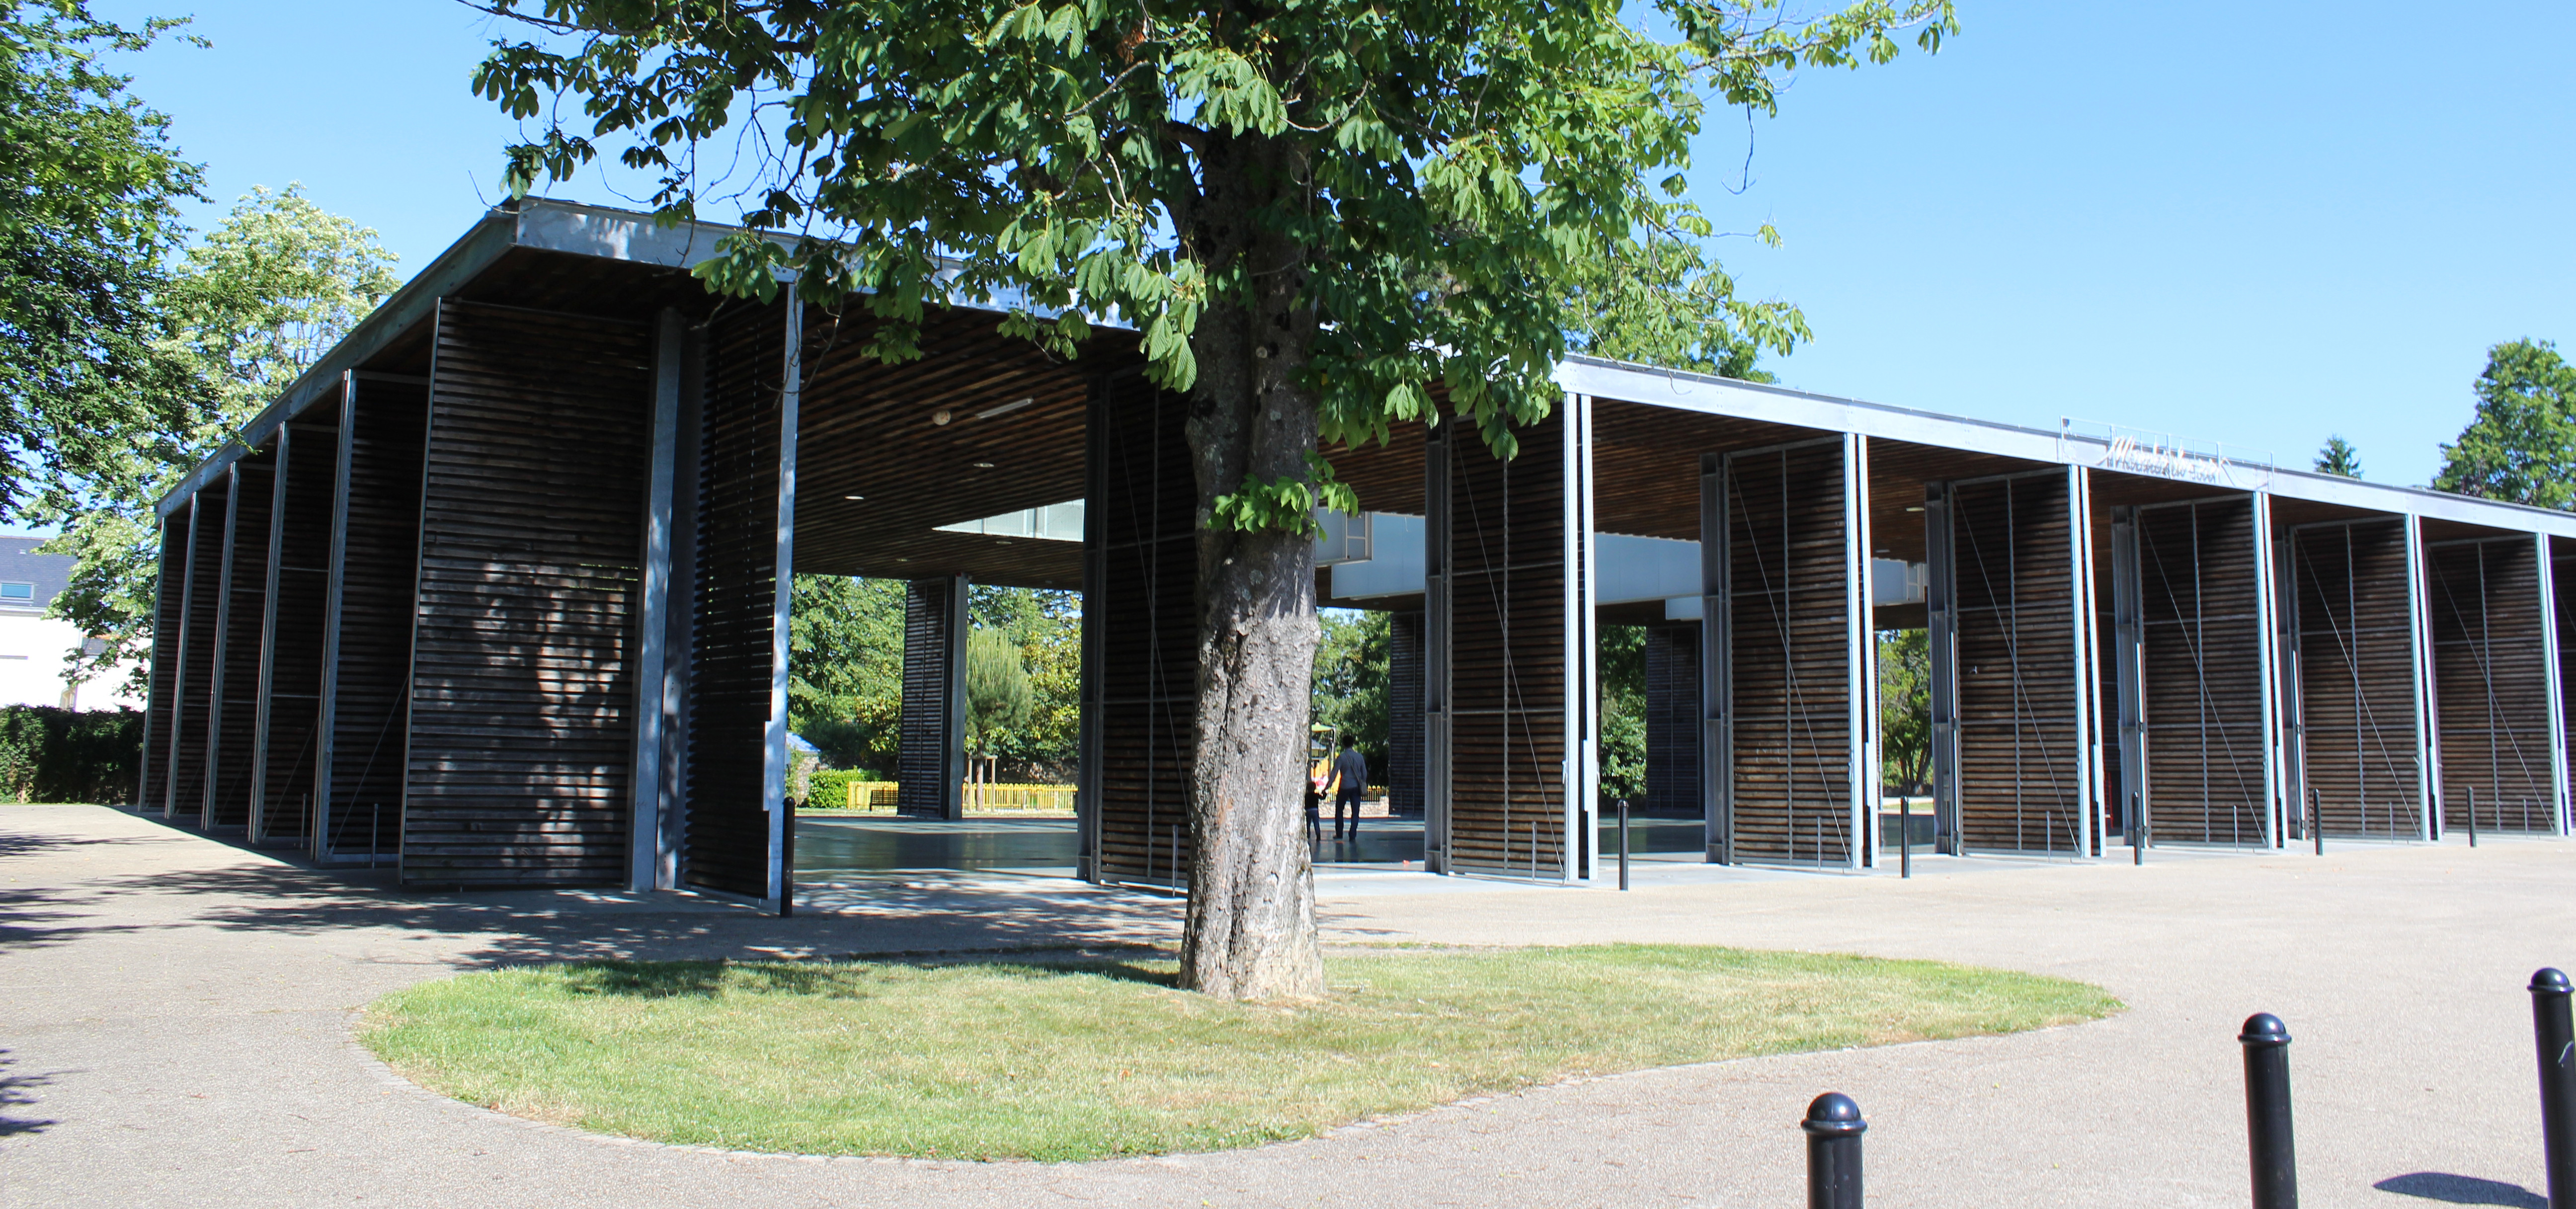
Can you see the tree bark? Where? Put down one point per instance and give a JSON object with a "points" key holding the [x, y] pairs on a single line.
{"points": [[1251, 927]]}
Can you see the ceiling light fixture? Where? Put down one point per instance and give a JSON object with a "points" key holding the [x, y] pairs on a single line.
{"points": [[941, 416], [983, 465], [854, 498], [1916, 508], [1003, 409]]}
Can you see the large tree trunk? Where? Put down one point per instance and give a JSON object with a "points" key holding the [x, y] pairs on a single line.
{"points": [[1251, 929]]}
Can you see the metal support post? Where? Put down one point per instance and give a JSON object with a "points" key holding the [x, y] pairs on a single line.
{"points": [[2316, 820], [1623, 843], [2473, 815], [2267, 1112], [1905, 836], [1834, 1129]]}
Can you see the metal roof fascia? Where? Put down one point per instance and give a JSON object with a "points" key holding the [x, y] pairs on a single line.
{"points": [[1755, 401], [495, 233]]}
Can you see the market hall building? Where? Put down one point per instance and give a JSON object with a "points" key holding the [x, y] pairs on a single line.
{"points": [[497, 594]]}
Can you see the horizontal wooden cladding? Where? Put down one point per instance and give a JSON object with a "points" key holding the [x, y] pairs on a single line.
{"points": [[726, 833], [2491, 684], [298, 596], [924, 763], [2353, 643], [381, 450], [1789, 654], [524, 663], [2020, 748], [1143, 603], [1646, 463], [1404, 729], [1673, 723], [169, 617], [231, 751], [1507, 673], [2203, 671], [194, 715]]}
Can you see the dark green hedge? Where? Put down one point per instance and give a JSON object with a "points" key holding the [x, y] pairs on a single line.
{"points": [[61, 755]]}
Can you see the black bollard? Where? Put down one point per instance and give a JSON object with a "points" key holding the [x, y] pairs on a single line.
{"points": [[1623, 843], [2267, 1112], [2473, 816], [1905, 836], [1833, 1128], [2137, 829], [2316, 821], [2554, 1036]]}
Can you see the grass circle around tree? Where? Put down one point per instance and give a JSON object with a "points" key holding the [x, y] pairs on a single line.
{"points": [[1092, 1058]]}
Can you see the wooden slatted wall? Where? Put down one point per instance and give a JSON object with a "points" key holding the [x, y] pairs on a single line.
{"points": [[170, 599], [2203, 672], [1403, 770], [2355, 651], [2020, 752], [1143, 599], [1672, 723], [2491, 683], [1789, 653], [379, 556], [925, 759], [232, 751], [522, 725], [299, 593], [725, 837], [197, 653], [1507, 672]]}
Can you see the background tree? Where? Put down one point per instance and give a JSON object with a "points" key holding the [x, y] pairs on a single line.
{"points": [[2522, 444], [93, 184], [1045, 626], [1622, 663], [2337, 456], [845, 669], [1315, 213], [997, 689], [242, 315], [1905, 708], [1350, 680]]}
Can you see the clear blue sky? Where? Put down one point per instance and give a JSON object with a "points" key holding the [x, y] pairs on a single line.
{"points": [[2249, 223]]}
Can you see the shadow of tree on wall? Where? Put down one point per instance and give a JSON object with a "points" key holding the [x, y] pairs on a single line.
{"points": [[16, 1093], [2461, 1190]]}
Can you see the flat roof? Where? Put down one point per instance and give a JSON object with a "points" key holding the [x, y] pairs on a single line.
{"points": [[637, 238]]}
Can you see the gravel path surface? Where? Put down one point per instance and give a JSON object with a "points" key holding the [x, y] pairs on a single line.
{"points": [[174, 1031]]}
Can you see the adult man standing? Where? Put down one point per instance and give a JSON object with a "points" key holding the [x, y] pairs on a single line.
{"points": [[1350, 774]]}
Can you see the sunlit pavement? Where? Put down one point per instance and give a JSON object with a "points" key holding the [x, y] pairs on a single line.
{"points": [[175, 1016]]}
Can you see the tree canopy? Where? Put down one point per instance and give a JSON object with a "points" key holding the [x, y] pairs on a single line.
{"points": [[240, 316], [2521, 446], [93, 185], [2338, 457]]}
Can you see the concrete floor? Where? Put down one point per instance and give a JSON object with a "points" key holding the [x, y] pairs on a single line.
{"points": [[174, 1030]]}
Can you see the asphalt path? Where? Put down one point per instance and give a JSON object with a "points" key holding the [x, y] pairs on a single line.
{"points": [[174, 1030]]}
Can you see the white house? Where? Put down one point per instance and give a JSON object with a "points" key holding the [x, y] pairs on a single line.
{"points": [[34, 646]]}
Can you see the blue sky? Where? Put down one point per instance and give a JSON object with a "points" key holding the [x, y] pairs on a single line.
{"points": [[2250, 223]]}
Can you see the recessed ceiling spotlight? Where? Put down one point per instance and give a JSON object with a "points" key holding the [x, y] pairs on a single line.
{"points": [[983, 465], [1003, 409], [941, 416]]}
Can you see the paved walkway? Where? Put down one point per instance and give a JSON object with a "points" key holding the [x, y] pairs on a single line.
{"points": [[173, 1031]]}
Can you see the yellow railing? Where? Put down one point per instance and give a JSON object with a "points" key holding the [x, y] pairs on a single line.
{"points": [[877, 797]]}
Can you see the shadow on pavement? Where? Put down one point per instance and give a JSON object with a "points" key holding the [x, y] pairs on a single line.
{"points": [[13, 1094], [2461, 1190]]}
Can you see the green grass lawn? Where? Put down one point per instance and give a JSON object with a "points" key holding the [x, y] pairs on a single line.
{"points": [[1022, 1059]]}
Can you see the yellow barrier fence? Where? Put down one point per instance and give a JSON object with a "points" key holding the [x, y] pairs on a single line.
{"points": [[877, 797]]}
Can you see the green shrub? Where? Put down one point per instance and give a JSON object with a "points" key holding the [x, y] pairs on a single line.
{"points": [[62, 755]]}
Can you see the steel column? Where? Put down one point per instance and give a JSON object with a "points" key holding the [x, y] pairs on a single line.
{"points": [[179, 686], [779, 899], [1861, 661], [327, 716], [647, 852], [1581, 778], [2550, 653], [1717, 680], [1941, 616], [2129, 648], [2428, 734], [2267, 654], [2088, 764], [1437, 626], [268, 633], [223, 641]]}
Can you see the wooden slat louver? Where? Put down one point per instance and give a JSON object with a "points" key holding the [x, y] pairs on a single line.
{"points": [[169, 613], [2020, 752], [1403, 771], [2490, 683], [725, 839], [926, 754], [1507, 671], [522, 723], [231, 750], [194, 715], [1143, 601], [2203, 671], [299, 593], [1788, 655], [2356, 661], [370, 678], [1672, 723]]}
